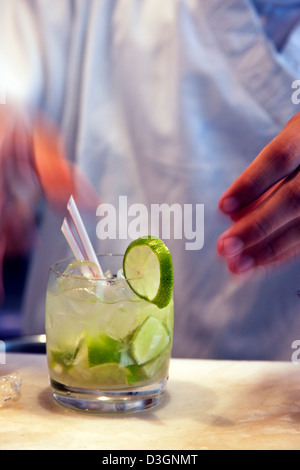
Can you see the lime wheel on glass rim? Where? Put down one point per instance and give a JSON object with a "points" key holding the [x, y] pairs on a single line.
{"points": [[148, 269]]}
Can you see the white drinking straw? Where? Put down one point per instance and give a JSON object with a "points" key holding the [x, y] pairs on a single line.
{"points": [[69, 236], [77, 251], [88, 252]]}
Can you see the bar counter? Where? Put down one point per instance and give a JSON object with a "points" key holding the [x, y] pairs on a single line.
{"points": [[208, 405]]}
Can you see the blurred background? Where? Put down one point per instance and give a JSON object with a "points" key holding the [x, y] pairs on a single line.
{"points": [[14, 276], [162, 102]]}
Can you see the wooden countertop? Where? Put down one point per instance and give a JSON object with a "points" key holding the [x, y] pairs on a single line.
{"points": [[208, 405]]}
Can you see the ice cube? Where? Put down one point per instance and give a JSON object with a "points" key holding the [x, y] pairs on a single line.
{"points": [[78, 275], [121, 322], [111, 291], [108, 274], [86, 269], [114, 290], [120, 274], [9, 387]]}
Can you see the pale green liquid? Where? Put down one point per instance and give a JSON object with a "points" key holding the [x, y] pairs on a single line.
{"points": [[90, 336]]}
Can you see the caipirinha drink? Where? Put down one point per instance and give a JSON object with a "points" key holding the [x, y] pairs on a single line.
{"points": [[109, 340]]}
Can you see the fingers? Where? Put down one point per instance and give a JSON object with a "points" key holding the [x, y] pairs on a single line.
{"points": [[264, 204], [277, 160], [274, 212], [269, 233], [280, 246]]}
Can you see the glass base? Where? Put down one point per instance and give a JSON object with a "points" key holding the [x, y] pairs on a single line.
{"points": [[109, 401]]}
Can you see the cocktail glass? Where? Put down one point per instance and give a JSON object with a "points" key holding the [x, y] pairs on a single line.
{"points": [[108, 350]]}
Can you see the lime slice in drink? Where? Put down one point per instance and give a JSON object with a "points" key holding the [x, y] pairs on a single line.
{"points": [[110, 375], [158, 366], [149, 340], [66, 355], [148, 268], [63, 358], [102, 349]]}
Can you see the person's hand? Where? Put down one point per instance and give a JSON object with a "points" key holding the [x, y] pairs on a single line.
{"points": [[264, 204], [19, 186], [33, 165]]}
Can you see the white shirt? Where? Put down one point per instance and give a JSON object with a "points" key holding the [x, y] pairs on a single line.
{"points": [[164, 102]]}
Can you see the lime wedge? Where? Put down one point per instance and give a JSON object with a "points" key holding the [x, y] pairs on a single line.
{"points": [[150, 339], [106, 376], [148, 268], [109, 375], [65, 357], [102, 349]]}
